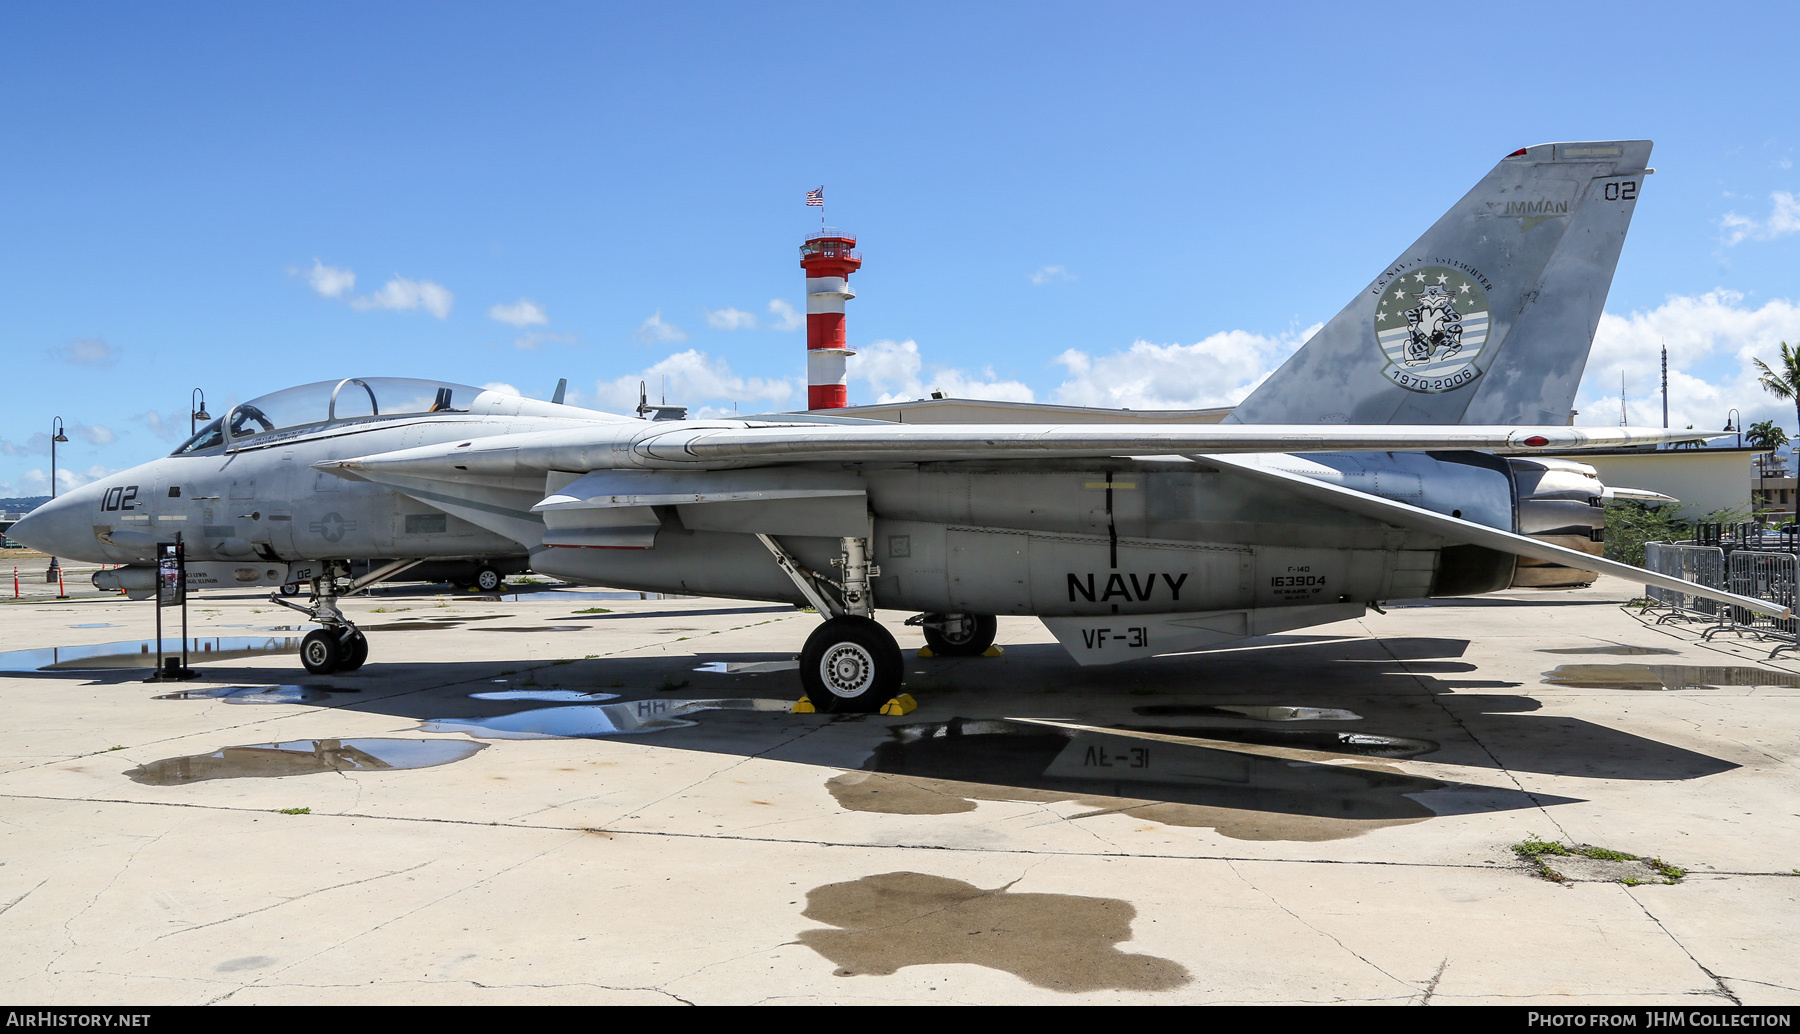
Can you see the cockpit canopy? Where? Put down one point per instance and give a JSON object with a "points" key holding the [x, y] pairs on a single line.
{"points": [[358, 399]]}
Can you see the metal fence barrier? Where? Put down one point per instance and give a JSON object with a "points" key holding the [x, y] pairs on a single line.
{"points": [[1702, 565], [1764, 576], [1759, 574]]}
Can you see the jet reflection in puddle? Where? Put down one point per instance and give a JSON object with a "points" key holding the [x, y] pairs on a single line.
{"points": [[255, 694], [303, 757], [1361, 744], [572, 696], [1064, 942], [1248, 792], [629, 719], [748, 667], [1261, 714], [1666, 676], [142, 653]]}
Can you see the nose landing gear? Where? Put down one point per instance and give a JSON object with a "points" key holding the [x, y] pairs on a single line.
{"points": [[339, 646]]}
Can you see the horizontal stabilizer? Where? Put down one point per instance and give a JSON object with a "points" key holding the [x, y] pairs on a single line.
{"points": [[1458, 531]]}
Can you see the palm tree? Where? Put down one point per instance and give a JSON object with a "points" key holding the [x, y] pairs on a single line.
{"points": [[1786, 384]]}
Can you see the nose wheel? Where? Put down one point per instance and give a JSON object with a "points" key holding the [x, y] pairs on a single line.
{"points": [[851, 665], [328, 650]]}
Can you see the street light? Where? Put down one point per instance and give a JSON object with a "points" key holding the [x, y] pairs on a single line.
{"points": [[1733, 419], [56, 435], [196, 410]]}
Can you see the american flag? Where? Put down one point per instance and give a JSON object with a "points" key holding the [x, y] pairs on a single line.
{"points": [[816, 198]]}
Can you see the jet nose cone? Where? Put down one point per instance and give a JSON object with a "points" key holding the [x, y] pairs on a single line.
{"points": [[53, 528]]}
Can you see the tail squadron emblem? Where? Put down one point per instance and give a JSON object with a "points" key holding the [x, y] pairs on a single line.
{"points": [[1431, 322]]}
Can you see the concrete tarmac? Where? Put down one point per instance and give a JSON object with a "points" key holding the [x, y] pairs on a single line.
{"points": [[1324, 816]]}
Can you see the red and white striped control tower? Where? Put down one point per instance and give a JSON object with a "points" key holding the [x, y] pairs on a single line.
{"points": [[828, 258]]}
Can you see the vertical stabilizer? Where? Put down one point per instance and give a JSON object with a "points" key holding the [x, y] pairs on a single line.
{"points": [[1488, 317]]}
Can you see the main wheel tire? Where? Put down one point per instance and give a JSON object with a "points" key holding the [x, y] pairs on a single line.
{"points": [[291, 589], [321, 652], [960, 635], [851, 665], [487, 579], [356, 651]]}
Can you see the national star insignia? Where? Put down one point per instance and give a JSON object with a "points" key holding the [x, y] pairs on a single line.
{"points": [[1420, 277], [1442, 279]]}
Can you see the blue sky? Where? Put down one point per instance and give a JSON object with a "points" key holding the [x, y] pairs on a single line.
{"points": [[1122, 204]]}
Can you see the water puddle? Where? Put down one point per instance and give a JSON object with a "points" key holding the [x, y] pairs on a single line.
{"points": [[748, 667], [571, 696], [1620, 651], [1244, 790], [1064, 942], [256, 694], [303, 757], [1667, 676], [1360, 744], [429, 624], [629, 719], [1261, 714], [142, 653]]}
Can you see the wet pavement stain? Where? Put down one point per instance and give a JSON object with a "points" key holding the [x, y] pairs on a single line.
{"points": [[1667, 676], [303, 757], [1617, 651], [1257, 793], [255, 694], [1260, 713], [142, 653], [533, 628], [1062, 942], [577, 721]]}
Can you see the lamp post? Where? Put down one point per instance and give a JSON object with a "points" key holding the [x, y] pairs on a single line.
{"points": [[196, 410], [56, 435]]}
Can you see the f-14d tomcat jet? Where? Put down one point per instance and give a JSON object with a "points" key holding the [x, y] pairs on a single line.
{"points": [[1397, 454]]}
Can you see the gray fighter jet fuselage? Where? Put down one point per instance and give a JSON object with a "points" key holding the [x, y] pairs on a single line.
{"points": [[1400, 453]]}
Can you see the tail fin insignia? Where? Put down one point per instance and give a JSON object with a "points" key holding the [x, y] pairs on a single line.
{"points": [[1488, 317]]}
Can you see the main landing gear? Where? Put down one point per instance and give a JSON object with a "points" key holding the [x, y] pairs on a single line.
{"points": [[339, 646], [958, 635], [850, 664]]}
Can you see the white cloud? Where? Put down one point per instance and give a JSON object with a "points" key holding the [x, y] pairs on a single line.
{"points": [[786, 316], [37, 445], [1712, 339], [1050, 275], [402, 294], [700, 382], [730, 319], [522, 313], [86, 352], [897, 373], [399, 293], [37, 481], [654, 330], [329, 281], [1219, 370], [1784, 218], [94, 434], [503, 388]]}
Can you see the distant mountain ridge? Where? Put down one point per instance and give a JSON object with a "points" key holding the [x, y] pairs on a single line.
{"points": [[23, 504]]}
